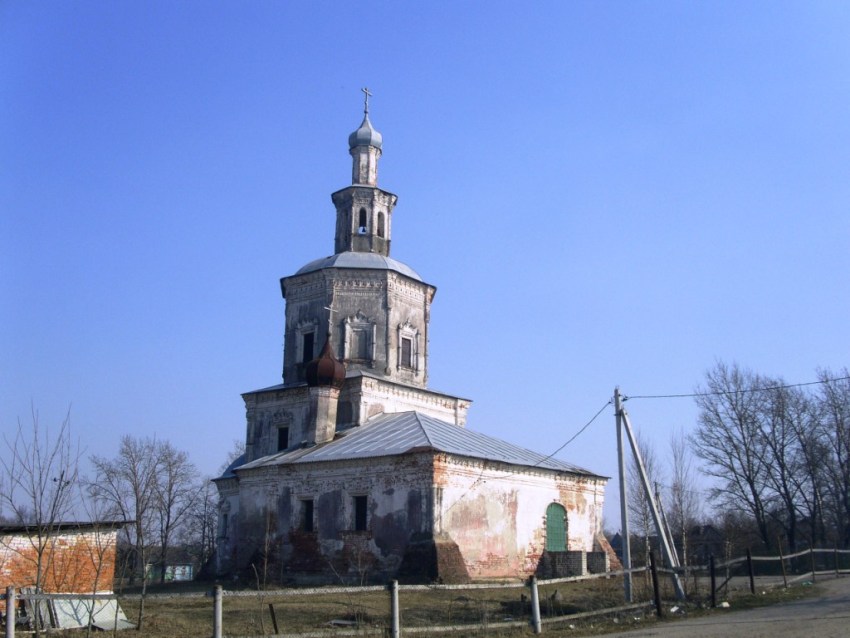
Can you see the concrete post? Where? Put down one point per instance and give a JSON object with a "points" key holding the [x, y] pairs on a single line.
{"points": [[394, 613], [624, 509], [10, 612], [217, 605], [535, 607]]}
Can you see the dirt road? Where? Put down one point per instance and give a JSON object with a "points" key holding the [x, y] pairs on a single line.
{"points": [[825, 615]]}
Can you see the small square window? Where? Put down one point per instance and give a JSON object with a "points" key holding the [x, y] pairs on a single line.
{"points": [[361, 504], [307, 515]]}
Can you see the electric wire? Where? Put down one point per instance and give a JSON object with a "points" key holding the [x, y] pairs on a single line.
{"points": [[481, 478], [727, 392]]}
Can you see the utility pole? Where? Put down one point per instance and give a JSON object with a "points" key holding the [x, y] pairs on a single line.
{"points": [[663, 537], [624, 509]]}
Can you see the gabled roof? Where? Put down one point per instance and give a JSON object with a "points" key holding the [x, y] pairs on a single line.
{"points": [[411, 432]]}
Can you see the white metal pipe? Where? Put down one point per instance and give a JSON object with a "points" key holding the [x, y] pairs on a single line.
{"points": [[535, 607]]}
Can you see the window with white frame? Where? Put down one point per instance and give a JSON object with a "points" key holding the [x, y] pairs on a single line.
{"points": [[408, 346]]}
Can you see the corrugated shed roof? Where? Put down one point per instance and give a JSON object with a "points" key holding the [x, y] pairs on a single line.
{"points": [[408, 432]]}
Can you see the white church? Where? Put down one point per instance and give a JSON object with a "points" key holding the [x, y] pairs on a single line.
{"points": [[355, 470]]}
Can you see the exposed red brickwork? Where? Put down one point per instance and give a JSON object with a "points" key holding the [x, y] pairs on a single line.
{"points": [[602, 544], [72, 562]]}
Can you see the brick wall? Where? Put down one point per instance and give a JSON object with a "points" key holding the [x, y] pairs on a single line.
{"points": [[73, 561], [597, 562]]}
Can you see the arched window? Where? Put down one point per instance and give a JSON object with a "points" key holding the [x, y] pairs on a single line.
{"points": [[362, 221], [556, 528], [380, 224]]}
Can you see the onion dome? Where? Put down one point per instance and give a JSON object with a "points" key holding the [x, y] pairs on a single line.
{"points": [[325, 370], [366, 135]]}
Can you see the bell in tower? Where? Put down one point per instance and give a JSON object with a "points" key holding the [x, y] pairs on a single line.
{"points": [[364, 210]]}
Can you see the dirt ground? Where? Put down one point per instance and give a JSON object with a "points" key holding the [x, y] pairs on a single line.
{"points": [[825, 614]]}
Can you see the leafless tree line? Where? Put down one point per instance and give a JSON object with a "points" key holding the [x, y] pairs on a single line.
{"points": [[676, 491], [779, 453], [148, 483]]}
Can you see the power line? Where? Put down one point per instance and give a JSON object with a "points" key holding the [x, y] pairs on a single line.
{"points": [[538, 463], [722, 392], [576, 435]]}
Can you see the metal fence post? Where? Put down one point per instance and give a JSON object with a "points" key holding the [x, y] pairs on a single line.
{"points": [[656, 591], [217, 604], [10, 612], [751, 572], [782, 565], [812, 557], [713, 581], [394, 613], [535, 607]]}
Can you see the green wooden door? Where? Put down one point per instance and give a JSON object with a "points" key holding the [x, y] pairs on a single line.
{"points": [[556, 528]]}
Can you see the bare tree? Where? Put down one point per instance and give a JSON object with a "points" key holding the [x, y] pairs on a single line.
{"points": [[128, 484], [729, 439], [39, 471], [640, 513], [834, 416], [236, 451], [785, 477], [198, 532], [175, 491], [683, 497]]}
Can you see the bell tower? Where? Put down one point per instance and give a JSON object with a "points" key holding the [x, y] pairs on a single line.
{"points": [[364, 211]]}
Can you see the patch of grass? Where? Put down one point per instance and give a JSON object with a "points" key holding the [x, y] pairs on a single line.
{"points": [[191, 617]]}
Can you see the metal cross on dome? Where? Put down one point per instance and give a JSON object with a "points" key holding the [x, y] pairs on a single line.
{"points": [[366, 96]]}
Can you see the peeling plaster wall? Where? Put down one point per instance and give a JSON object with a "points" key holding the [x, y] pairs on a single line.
{"points": [[370, 397], [267, 503], [363, 397], [497, 513], [381, 299]]}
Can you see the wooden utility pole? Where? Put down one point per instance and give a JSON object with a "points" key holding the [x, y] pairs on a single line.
{"points": [[624, 508]]}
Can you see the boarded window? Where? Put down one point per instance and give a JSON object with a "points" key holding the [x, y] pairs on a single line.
{"points": [[556, 528], [282, 439], [307, 515], [307, 347], [380, 224], [406, 352], [360, 511]]}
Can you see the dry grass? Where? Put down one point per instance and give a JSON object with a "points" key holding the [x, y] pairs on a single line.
{"points": [[191, 617]]}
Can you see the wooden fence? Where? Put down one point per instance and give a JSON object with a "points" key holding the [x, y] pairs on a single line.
{"points": [[742, 572]]}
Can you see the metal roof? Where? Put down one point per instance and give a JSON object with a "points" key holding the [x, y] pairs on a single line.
{"points": [[351, 259], [409, 432]]}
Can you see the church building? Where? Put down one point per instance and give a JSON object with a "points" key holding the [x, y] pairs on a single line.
{"points": [[355, 470]]}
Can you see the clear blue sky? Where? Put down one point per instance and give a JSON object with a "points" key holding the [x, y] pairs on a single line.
{"points": [[604, 193]]}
